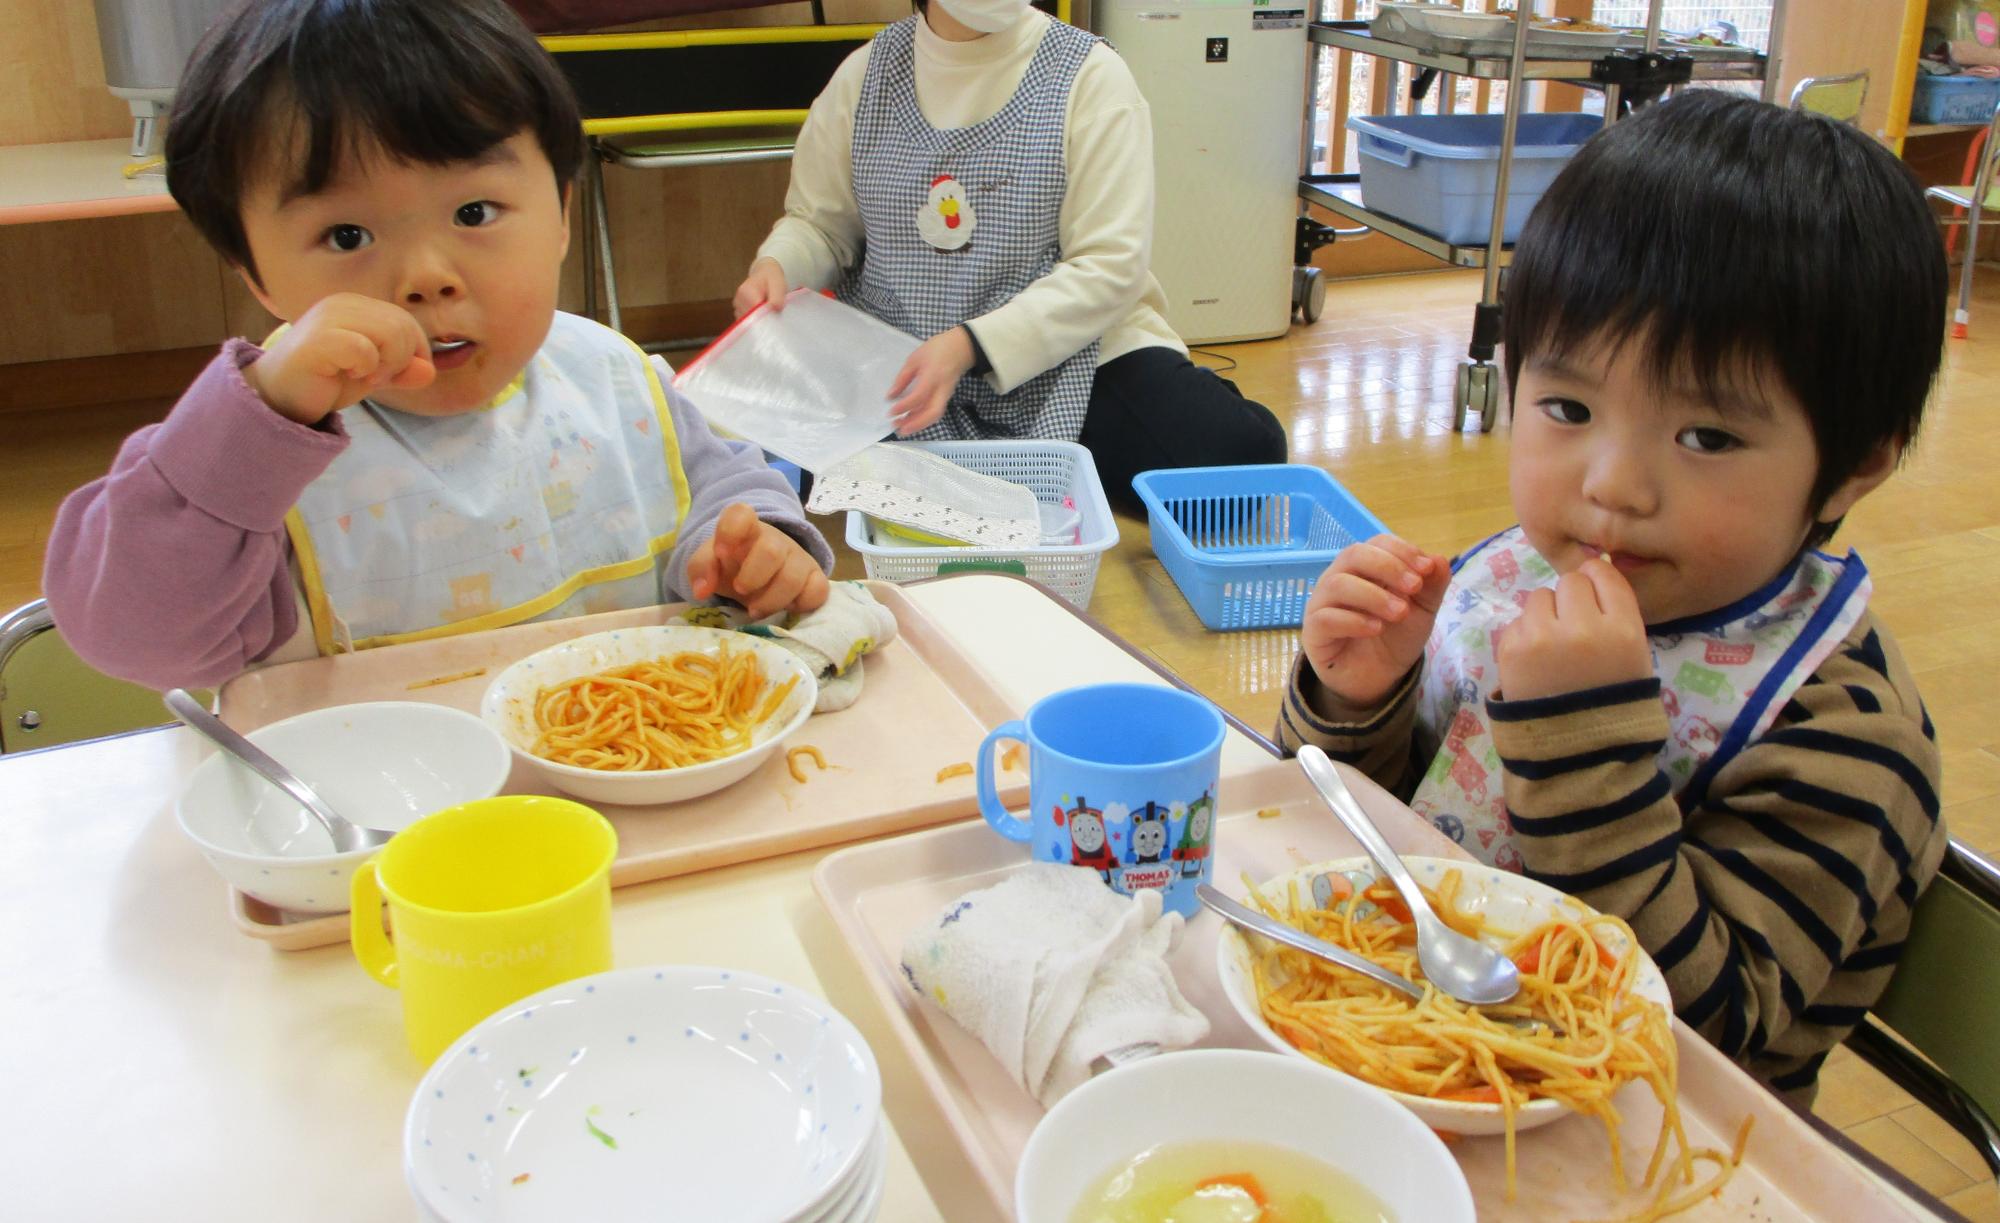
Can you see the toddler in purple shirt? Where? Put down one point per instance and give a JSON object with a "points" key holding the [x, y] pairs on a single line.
{"points": [[427, 446]]}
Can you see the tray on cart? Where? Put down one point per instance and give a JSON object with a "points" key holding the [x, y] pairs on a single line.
{"points": [[925, 705], [1271, 822], [1411, 30]]}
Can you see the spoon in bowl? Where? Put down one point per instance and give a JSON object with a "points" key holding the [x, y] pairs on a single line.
{"points": [[1462, 967], [1277, 931], [345, 836]]}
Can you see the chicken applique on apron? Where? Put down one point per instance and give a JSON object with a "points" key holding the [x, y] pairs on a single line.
{"points": [[554, 501], [1724, 676], [946, 220]]}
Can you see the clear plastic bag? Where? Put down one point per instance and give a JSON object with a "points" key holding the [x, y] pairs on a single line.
{"points": [[809, 383]]}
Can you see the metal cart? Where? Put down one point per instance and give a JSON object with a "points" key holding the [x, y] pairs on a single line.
{"points": [[1625, 77]]}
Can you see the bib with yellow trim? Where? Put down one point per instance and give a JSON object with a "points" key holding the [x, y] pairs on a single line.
{"points": [[553, 501]]}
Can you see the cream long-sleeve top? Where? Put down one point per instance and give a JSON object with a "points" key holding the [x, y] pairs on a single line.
{"points": [[1102, 288]]}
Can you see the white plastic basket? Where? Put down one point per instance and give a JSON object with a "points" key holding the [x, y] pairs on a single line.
{"points": [[1053, 471]]}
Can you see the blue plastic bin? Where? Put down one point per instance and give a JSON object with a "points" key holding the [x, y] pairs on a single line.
{"points": [[1246, 544], [1954, 99], [1438, 172]]}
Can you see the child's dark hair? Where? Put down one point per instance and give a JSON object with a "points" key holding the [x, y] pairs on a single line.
{"points": [[427, 81], [1736, 238]]}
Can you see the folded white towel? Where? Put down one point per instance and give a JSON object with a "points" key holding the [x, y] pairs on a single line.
{"points": [[1052, 970]]}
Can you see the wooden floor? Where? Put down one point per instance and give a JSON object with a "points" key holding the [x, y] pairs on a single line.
{"points": [[1366, 393]]}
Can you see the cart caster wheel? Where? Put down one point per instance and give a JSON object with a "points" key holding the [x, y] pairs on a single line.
{"points": [[1308, 293], [1478, 390]]}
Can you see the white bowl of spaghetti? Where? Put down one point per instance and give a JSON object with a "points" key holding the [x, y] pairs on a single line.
{"points": [[1593, 1027], [650, 715]]}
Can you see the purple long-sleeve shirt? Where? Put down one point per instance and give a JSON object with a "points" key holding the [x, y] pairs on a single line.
{"points": [[175, 568]]}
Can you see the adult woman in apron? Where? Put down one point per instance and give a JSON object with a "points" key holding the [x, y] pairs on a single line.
{"points": [[981, 176]]}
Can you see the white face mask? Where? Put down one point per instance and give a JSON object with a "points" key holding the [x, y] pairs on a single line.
{"points": [[986, 16]]}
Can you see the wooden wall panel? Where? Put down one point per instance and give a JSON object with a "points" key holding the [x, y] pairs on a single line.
{"points": [[689, 235], [241, 315], [1830, 37], [120, 284], [86, 289], [52, 75]]}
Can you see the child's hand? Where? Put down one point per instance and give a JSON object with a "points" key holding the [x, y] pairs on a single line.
{"points": [[334, 354], [924, 385], [1585, 633], [1369, 616], [756, 564], [765, 284]]}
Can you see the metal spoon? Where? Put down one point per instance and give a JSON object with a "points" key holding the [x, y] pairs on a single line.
{"points": [[1250, 919], [345, 836], [1462, 967], [1279, 932]]}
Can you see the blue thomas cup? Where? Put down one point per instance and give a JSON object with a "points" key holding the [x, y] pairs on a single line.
{"points": [[1121, 779]]}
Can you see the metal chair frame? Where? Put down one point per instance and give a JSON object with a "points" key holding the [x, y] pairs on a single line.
{"points": [[17, 628], [1906, 1066], [1973, 204], [1807, 85]]}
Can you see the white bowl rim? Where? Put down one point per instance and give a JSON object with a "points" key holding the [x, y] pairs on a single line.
{"points": [[218, 758], [1534, 1112], [479, 1031], [808, 684], [1415, 1129]]}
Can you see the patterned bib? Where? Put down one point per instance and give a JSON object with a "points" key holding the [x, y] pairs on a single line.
{"points": [[552, 502], [958, 222], [1724, 677]]}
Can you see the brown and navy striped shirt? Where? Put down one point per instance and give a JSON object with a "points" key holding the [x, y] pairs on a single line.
{"points": [[1777, 906]]}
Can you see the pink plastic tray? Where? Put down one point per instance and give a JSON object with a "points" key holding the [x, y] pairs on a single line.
{"points": [[925, 705], [877, 893]]}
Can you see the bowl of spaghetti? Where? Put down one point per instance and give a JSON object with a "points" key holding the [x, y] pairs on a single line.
{"points": [[653, 714], [1593, 1015]]}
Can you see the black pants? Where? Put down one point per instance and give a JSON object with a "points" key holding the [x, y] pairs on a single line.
{"points": [[1153, 408]]}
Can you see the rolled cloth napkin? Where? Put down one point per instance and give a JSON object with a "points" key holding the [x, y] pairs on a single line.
{"points": [[831, 640], [1052, 970]]}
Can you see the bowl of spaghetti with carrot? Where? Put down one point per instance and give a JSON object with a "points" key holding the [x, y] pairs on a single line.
{"points": [[654, 714], [1593, 1018]]}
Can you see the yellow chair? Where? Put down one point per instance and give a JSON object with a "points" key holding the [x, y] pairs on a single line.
{"points": [[1837, 97], [1932, 1031], [49, 696]]}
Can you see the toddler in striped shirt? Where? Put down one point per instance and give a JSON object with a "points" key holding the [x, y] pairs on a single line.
{"points": [[1657, 692]]}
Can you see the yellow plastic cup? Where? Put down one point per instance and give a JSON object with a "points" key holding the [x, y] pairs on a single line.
{"points": [[489, 901]]}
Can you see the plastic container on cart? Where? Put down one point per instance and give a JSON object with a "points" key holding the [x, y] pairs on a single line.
{"points": [[1246, 544], [1063, 479], [1954, 99], [1438, 172]]}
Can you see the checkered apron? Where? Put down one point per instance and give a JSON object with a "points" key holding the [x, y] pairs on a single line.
{"points": [[1012, 169]]}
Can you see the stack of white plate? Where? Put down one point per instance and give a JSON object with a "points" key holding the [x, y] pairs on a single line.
{"points": [[652, 1093]]}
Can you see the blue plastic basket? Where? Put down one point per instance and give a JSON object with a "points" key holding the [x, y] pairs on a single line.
{"points": [[1953, 99], [1246, 544], [1439, 172]]}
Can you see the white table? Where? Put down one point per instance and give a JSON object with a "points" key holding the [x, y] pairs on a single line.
{"points": [[160, 1065]]}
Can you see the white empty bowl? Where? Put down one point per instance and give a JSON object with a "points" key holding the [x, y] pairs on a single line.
{"points": [[381, 764], [649, 1093], [1240, 1095], [1513, 904], [509, 708]]}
